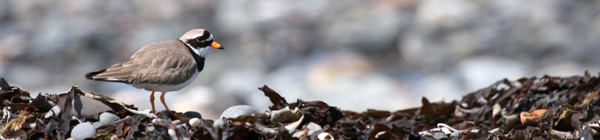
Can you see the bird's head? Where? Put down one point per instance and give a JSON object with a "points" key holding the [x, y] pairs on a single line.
{"points": [[200, 41]]}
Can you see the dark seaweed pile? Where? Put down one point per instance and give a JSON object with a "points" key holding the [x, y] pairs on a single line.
{"points": [[527, 108]]}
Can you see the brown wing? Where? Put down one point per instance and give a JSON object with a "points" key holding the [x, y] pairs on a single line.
{"points": [[167, 62]]}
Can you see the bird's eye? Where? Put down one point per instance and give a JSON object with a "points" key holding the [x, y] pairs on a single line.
{"points": [[201, 41]]}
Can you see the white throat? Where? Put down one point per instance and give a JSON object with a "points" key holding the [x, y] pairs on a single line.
{"points": [[203, 51]]}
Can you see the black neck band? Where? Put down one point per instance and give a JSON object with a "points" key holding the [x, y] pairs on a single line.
{"points": [[199, 59]]}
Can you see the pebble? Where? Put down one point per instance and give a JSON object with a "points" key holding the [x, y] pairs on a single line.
{"points": [[233, 112], [82, 131], [108, 118], [194, 122], [192, 114], [325, 136], [97, 124], [238, 110], [219, 123]]}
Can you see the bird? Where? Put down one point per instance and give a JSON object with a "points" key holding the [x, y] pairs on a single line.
{"points": [[162, 66]]}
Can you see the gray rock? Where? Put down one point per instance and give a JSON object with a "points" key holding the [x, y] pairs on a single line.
{"points": [[86, 107], [97, 124], [233, 112], [107, 118], [238, 110], [83, 131]]}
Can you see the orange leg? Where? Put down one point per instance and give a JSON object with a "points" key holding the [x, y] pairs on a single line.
{"points": [[152, 102], [162, 99]]}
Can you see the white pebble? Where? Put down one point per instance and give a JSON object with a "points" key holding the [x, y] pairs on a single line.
{"points": [[194, 122], [83, 131]]}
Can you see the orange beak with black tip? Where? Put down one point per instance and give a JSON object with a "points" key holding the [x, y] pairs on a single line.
{"points": [[216, 45]]}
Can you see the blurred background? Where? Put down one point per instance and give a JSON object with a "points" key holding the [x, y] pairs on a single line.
{"points": [[353, 54]]}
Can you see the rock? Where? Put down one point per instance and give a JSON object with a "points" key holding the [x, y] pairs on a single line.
{"points": [[194, 122], [238, 110], [325, 136], [219, 123], [192, 114], [84, 106], [233, 112], [97, 124], [107, 118], [83, 131]]}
